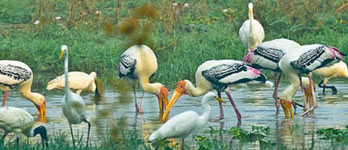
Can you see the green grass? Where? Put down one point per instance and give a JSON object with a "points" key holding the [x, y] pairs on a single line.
{"points": [[180, 48]]}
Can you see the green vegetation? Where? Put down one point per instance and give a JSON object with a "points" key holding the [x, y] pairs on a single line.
{"points": [[182, 38]]}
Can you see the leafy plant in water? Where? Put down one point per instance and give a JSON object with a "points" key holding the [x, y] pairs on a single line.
{"points": [[340, 136]]}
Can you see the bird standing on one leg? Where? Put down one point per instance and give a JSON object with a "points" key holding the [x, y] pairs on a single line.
{"points": [[74, 107]]}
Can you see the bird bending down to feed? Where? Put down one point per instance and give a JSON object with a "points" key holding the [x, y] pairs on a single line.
{"points": [[74, 107], [334, 71], [267, 56], [303, 61], [19, 121], [18, 74], [251, 33], [218, 75], [183, 124], [78, 82], [139, 62]]}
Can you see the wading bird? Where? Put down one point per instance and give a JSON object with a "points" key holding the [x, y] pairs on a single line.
{"points": [[19, 121], [334, 71], [78, 82], [74, 107], [18, 74], [267, 56], [251, 33], [139, 62], [303, 61], [218, 75], [183, 124]]}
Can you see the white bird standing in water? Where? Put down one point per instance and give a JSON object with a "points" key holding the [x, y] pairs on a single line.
{"points": [[78, 82], [19, 121], [300, 61], [267, 56], [74, 107], [183, 124], [251, 33], [18, 74]]}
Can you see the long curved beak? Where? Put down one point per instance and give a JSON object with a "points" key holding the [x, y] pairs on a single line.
{"points": [[42, 112], [287, 108], [176, 95], [61, 54], [219, 99]]}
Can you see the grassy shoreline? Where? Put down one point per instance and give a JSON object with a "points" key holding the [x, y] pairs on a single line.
{"points": [[182, 39]]}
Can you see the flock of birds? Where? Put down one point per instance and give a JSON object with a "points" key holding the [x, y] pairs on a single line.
{"points": [[139, 63]]}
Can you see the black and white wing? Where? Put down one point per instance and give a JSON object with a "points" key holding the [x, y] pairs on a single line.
{"points": [[127, 66], [223, 75], [13, 73], [315, 56]]}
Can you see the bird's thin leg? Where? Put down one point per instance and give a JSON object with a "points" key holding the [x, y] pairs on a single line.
{"points": [[322, 86], [183, 144], [5, 97], [72, 135], [142, 103], [17, 141], [239, 117], [221, 109], [89, 128], [275, 93], [304, 94], [313, 94], [135, 99]]}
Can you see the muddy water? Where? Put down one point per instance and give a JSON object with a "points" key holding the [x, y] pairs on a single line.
{"points": [[255, 104]]}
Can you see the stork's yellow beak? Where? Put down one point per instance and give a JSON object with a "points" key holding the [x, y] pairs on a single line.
{"points": [[287, 108], [61, 54], [176, 95], [219, 99], [42, 112]]}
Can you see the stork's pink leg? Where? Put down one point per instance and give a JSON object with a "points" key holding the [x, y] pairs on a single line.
{"points": [[5, 97], [142, 104], [304, 94], [275, 93], [135, 98], [239, 117], [314, 99], [221, 109]]}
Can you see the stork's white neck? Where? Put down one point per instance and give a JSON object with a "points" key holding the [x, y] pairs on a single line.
{"points": [[290, 91], [195, 91], [251, 19], [153, 88]]}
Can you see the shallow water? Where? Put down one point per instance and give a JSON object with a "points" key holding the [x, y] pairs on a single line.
{"points": [[255, 104]]}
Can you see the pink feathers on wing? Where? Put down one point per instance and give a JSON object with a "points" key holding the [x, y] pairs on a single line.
{"points": [[255, 71]]}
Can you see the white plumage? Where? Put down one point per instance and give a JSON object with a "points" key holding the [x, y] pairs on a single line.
{"points": [[19, 121], [78, 82], [251, 32], [267, 56], [300, 61], [218, 75], [74, 107], [17, 74], [338, 70], [139, 62], [186, 123]]}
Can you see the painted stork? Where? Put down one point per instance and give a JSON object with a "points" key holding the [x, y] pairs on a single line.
{"points": [[183, 124], [18, 74], [139, 62], [74, 107], [218, 75], [267, 56], [78, 82], [303, 61], [334, 71], [251, 33], [20, 122]]}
